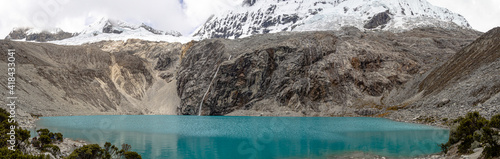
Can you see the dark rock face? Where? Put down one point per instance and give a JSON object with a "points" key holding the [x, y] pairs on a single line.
{"points": [[151, 29], [109, 28], [378, 20], [17, 34], [160, 32], [43, 36], [302, 71], [249, 2]]}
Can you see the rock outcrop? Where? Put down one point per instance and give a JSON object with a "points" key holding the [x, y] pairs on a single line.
{"points": [[378, 20], [41, 36], [55, 80], [414, 75], [271, 16], [468, 81], [315, 73]]}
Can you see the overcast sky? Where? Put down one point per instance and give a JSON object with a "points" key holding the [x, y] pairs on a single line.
{"points": [[181, 15]]}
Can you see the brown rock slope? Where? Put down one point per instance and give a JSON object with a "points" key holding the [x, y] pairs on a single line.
{"points": [[341, 73], [85, 80], [468, 81], [309, 73]]}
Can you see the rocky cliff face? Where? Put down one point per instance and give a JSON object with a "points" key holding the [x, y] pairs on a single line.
{"points": [[85, 80], [468, 81], [313, 73], [413, 75], [29, 34]]}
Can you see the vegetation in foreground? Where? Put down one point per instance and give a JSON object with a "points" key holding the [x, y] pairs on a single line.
{"points": [[46, 140], [475, 131], [21, 139], [109, 151]]}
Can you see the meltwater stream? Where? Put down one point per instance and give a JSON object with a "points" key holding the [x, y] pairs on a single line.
{"points": [[221, 137]]}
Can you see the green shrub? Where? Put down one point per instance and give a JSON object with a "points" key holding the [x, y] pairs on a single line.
{"points": [[59, 137], [471, 123], [51, 148], [465, 145], [45, 139], [132, 155], [21, 136], [109, 151], [495, 121], [87, 151], [37, 143], [49, 137], [444, 147], [492, 148], [43, 132], [473, 128]]}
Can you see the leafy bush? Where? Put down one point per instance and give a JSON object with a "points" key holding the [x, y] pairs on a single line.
{"points": [[495, 121], [493, 148], [43, 132], [59, 137], [473, 128], [109, 151], [132, 155], [37, 143], [51, 148], [465, 145], [471, 123], [87, 151], [21, 136], [44, 139], [47, 137]]}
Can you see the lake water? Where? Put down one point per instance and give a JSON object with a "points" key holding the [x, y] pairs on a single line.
{"points": [[221, 137]]}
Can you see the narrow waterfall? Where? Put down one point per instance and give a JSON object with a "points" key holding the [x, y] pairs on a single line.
{"points": [[208, 89]]}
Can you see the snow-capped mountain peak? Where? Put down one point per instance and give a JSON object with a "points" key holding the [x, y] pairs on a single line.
{"points": [[103, 29], [268, 16], [111, 29], [38, 34]]}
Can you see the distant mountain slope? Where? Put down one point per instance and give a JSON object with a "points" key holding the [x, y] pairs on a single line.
{"points": [[102, 30], [484, 51], [270, 16], [324, 73], [468, 81], [121, 78], [39, 35], [109, 29]]}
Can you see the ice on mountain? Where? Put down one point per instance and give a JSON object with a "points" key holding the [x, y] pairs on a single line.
{"points": [[270, 16]]}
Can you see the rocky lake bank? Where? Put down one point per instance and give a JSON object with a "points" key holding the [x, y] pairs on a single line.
{"points": [[425, 75]]}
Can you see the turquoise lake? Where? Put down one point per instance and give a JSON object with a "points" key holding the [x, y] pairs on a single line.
{"points": [[223, 137]]}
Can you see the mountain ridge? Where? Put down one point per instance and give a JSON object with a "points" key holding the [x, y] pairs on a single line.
{"points": [[268, 16], [103, 29]]}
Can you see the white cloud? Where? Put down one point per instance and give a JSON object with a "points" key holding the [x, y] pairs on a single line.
{"points": [[199, 11], [481, 14], [74, 15]]}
